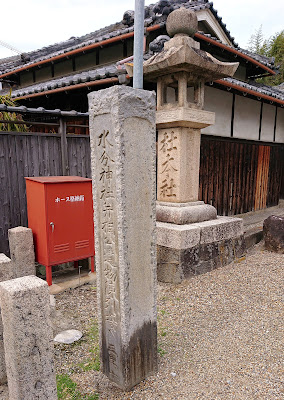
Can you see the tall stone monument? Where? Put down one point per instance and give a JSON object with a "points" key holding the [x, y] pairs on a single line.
{"points": [[123, 155], [191, 238]]}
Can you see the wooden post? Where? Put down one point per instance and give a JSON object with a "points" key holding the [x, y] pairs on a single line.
{"points": [[64, 155]]}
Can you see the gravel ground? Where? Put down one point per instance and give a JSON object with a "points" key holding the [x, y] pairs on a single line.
{"points": [[220, 336]]}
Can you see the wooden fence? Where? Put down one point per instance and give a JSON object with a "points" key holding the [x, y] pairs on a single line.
{"points": [[238, 176], [35, 154], [235, 176]]}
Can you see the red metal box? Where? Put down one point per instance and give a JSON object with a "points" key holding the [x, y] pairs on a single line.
{"points": [[60, 214]]}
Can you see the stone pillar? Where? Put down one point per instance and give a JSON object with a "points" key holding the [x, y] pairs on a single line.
{"points": [[122, 130], [28, 339], [22, 251]]}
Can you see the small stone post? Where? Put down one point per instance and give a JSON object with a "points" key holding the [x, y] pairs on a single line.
{"points": [[22, 251], [122, 130], [6, 273], [28, 339]]}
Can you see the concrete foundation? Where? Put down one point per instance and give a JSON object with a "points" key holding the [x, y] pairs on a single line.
{"points": [[187, 250]]}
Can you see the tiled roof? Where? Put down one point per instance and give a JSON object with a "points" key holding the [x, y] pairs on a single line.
{"points": [[96, 75], [280, 87], [268, 61], [271, 91], [70, 80], [155, 13], [41, 110]]}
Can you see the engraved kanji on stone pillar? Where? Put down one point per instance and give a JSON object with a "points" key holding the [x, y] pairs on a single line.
{"points": [[122, 131]]}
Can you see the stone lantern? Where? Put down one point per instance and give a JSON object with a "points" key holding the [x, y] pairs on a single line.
{"points": [[191, 238], [181, 69]]}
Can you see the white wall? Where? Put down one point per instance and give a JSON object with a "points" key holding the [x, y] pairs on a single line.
{"points": [[279, 135], [246, 119], [267, 124], [220, 102]]}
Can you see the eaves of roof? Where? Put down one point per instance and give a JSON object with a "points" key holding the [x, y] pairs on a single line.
{"points": [[264, 62], [41, 110], [119, 32], [117, 74], [199, 35], [99, 76], [259, 91]]}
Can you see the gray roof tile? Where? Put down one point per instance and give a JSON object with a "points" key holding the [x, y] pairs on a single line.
{"points": [[117, 29], [70, 80], [258, 87], [41, 110], [15, 62]]}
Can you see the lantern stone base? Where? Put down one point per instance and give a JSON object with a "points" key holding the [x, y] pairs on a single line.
{"points": [[185, 213], [192, 249]]}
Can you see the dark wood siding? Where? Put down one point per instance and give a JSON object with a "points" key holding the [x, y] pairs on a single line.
{"points": [[238, 176], [33, 155], [235, 176]]}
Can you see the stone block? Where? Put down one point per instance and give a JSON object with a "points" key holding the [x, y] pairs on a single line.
{"points": [[240, 246], [123, 158], [177, 236], [3, 375], [226, 251], [187, 250], [190, 256], [203, 267], [209, 251], [22, 251], [170, 273], [167, 255], [220, 229], [273, 233], [28, 339], [7, 271]]}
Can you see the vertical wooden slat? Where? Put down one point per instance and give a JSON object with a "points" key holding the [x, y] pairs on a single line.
{"points": [[226, 179], [258, 178], [64, 155]]}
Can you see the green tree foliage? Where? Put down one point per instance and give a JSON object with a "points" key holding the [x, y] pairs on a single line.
{"points": [[256, 41], [272, 47], [8, 117]]}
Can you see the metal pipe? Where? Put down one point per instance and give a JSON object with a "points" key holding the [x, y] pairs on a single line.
{"points": [[138, 44]]}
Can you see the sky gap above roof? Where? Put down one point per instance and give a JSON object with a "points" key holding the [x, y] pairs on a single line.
{"points": [[125, 26]]}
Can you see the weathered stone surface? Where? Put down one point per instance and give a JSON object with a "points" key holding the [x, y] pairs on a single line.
{"points": [[174, 265], [177, 236], [6, 273], [22, 251], [184, 117], [6, 268], [69, 336], [178, 165], [175, 57], [220, 229], [273, 233], [183, 21], [122, 133], [28, 339], [186, 215]]}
